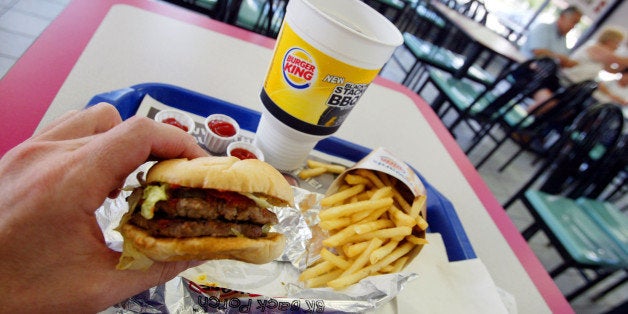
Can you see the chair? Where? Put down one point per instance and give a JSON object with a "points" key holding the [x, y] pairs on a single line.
{"points": [[419, 19], [211, 8], [482, 104], [580, 151], [531, 130], [591, 236], [262, 16], [397, 7], [475, 10], [428, 54]]}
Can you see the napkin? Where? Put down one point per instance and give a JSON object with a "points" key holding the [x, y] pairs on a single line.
{"points": [[449, 287]]}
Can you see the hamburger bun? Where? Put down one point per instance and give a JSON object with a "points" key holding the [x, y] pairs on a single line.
{"points": [[223, 173]]}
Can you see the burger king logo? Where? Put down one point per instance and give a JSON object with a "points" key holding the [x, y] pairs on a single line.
{"points": [[299, 68]]}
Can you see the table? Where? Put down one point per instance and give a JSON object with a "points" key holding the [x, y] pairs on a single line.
{"points": [[482, 39], [97, 46]]}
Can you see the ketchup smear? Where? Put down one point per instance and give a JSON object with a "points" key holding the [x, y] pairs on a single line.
{"points": [[222, 128], [242, 153], [173, 121]]}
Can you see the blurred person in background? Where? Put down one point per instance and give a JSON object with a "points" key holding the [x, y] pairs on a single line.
{"points": [[549, 40], [617, 90], [600, 55]]}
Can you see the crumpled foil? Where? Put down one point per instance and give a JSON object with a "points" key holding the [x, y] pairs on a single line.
{"points": [[226, 286]]}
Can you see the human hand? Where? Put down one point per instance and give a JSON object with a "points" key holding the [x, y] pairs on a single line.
{"points": [[54, 257]]}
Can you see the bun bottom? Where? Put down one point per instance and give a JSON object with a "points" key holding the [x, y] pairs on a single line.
{"points": [[256, 251]]}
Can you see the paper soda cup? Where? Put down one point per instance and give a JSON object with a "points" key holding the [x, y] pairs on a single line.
{"points": [[326, 55]]}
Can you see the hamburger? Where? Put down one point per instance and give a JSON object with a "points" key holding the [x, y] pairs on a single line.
{"points": [[203, 209]]}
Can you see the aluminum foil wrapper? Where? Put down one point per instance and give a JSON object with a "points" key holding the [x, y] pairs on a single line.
{"points": [[226, 286]]}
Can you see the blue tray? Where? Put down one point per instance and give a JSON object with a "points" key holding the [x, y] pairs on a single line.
{"points": [[442, 217]]}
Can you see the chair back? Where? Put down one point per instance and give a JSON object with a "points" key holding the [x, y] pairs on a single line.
{"points": [[475, 10], [583, 150], [580, 152], [515, 85], [561, 109]]}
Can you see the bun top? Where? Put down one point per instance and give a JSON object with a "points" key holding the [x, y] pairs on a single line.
{"points": [[223, 173]]}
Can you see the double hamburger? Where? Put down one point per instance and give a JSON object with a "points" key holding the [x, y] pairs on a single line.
{"points": [[203, 209]]}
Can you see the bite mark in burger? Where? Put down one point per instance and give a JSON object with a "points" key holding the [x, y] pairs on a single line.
{"points": [[202, 209]]}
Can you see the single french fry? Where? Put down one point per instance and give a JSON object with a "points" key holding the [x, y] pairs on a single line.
{"points": [[386, 179], [347, 280], [417, 206], [366, 195], [383, 192], [381, 233], [334, 259], [363, 259], [373, 225], [339, 197], [400, 218], [416, 240], [328, 167], [371, 176], [311, 172], [339, 237], [374, 215], [402, 202], [421, 223], [387, 269], [321, 281], [352, 250], [353, 179], [333, 224], [381, 252], [399, 252], [349, 209], [398, 265], [316, 270]]}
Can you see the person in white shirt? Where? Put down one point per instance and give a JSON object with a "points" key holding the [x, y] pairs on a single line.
{"points": [[548, 40]]}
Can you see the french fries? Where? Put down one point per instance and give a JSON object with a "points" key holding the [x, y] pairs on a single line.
{"points": [[372, 230], [316, 168]]}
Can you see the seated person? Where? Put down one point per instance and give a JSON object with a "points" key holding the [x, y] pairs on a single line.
{"points": [[615, 91], [597, 56], [549, 40]]}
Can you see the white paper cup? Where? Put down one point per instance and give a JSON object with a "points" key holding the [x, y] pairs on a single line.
{"points": [[283, 147], [250, 147], [326, 55], [217, 143], [181, 117]]}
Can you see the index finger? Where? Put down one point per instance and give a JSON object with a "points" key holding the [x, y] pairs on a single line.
{"points": [[76, 124], [113, 155]]}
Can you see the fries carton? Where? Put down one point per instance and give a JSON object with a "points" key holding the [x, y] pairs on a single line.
{"points": [[381, 160], [373, 219]]}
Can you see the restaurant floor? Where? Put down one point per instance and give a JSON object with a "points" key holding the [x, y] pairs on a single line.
{"points": [[21, 22]]}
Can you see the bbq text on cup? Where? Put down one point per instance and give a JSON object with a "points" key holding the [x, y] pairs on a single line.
{"points": [[326, 55]]}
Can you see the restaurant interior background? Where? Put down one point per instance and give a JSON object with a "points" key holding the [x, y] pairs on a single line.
{"points": [[21, 21]]}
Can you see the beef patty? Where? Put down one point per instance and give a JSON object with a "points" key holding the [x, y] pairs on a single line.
{"points": [[191, 212]]}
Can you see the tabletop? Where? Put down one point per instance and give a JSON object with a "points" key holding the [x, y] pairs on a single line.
{"points": [[98, 46], [481, 34]]}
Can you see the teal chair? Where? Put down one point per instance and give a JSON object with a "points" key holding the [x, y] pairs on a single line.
{"points": [[477, 105], [429, 54], [211, 8], [570, 168], [262, 16], [590, 236]]}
